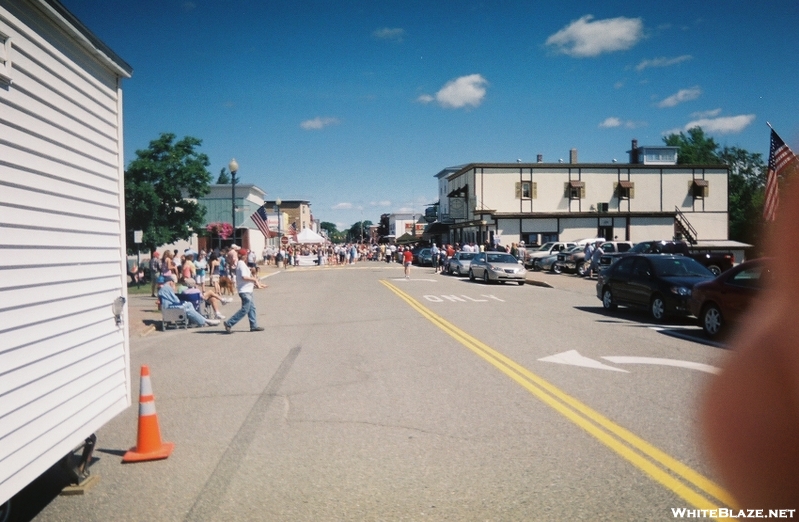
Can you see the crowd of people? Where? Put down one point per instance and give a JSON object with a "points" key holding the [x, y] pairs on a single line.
{"points": [[183, 281]]}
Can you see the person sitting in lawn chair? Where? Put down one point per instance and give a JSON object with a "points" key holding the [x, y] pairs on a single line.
{"points": [[169, 299], [209, 296]]}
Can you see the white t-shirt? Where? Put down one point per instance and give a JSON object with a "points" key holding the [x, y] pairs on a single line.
{"points": [[242, 271]]}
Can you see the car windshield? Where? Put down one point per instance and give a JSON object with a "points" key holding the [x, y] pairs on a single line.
{"points": [[500, 258], [466, 255], [678, 267], [545, 247], [640, 248], [573, 249]]}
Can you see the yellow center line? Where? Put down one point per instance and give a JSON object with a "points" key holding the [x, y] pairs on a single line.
{"points": [[632, 448]]}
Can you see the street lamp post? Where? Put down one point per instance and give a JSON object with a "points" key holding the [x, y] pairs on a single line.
{"points": [[234, 167], [277, 211]]}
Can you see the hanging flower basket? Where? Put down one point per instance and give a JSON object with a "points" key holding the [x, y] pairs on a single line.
{"points": [[223, 230]]}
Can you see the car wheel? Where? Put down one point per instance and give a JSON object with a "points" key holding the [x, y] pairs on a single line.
{"points": [[715, 269], [486, 280], [536, 265], [657, 308], [712, 321], [471, 275], [556, 268], [581, 269], [607, 300], [521, 283]]}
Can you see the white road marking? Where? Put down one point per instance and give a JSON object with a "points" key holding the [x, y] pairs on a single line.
{"points": [[574, 358], [622, 359]]}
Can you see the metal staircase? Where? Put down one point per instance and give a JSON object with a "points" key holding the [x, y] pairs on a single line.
{"points": [[683, 227]]}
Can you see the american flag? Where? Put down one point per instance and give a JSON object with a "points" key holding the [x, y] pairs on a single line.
{"points": [[259, 218], [780, 158], [293, 230]]}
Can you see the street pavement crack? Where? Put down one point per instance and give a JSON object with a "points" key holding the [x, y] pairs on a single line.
{"points": [[213, 492]]}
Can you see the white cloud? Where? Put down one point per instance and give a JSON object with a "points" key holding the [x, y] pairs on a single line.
{"points": [[722, 125], [662, 62], [319, 123], [706, 114], [683, 95], [613, 122], [387, 33], [584, 38], [610, 123], [460, 92], [341, 206], [384, 203]]}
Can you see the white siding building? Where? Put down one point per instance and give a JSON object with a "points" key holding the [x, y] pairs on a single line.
{"points": [[64, 360]]}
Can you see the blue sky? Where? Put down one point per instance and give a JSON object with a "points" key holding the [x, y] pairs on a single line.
{"points": [[356, 105]]}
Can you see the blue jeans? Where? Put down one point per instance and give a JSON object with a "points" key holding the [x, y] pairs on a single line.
{"points": [[247, 308], [193, 315]]}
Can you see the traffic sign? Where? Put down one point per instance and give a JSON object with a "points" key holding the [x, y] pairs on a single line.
{"points": [[284, 240]]}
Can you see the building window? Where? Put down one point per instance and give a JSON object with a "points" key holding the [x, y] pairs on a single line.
{"points": [[625, 189], [526, 190], [700, 188], [575, 189]]}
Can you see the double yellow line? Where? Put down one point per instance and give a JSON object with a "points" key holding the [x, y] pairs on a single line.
{"points": [[691, 486]]}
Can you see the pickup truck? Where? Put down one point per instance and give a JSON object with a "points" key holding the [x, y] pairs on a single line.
{"points": [[545, 250], [575, 263], [715, 262]]}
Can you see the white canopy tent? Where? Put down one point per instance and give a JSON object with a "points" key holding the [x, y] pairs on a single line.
{"points": [[308, 236]]}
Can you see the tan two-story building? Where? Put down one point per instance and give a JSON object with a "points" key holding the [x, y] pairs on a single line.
{"points": [[651, 197]]}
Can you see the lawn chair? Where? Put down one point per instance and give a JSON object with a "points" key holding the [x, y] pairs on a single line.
{"points": [[202, 306], [175, 317]]}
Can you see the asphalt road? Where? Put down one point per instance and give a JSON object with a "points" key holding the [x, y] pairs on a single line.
{"points": [[372, 397]]}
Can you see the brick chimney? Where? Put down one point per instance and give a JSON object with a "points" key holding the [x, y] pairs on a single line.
{"points": [[573, 156], [634, 152]]}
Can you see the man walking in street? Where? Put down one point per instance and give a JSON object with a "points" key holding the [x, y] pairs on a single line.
{"points": [[245, 284]]}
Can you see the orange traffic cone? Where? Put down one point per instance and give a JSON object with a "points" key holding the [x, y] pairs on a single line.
{"points": [[148, 442]]}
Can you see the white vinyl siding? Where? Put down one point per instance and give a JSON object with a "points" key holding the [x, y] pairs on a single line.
{"points": [[64, 362]]}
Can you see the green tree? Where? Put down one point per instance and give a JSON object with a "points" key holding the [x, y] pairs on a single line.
{"points": [[157, 185], [223, 178], [359, 230], [695, 147], [332, 231], [746, 190]]}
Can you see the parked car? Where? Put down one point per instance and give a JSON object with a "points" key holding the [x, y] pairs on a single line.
{"points": [[459, 263], [573, 261], [546, 263], [423, 257], [715, 262], [723, 301], [608, 247], [660, 283], [545, 250], [496, 266]]}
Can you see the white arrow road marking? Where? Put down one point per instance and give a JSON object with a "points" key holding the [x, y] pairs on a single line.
{"points": [[574, 358], [621, 359]]}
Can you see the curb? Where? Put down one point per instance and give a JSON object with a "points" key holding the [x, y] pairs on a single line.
{"points": [[538, 283]]}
